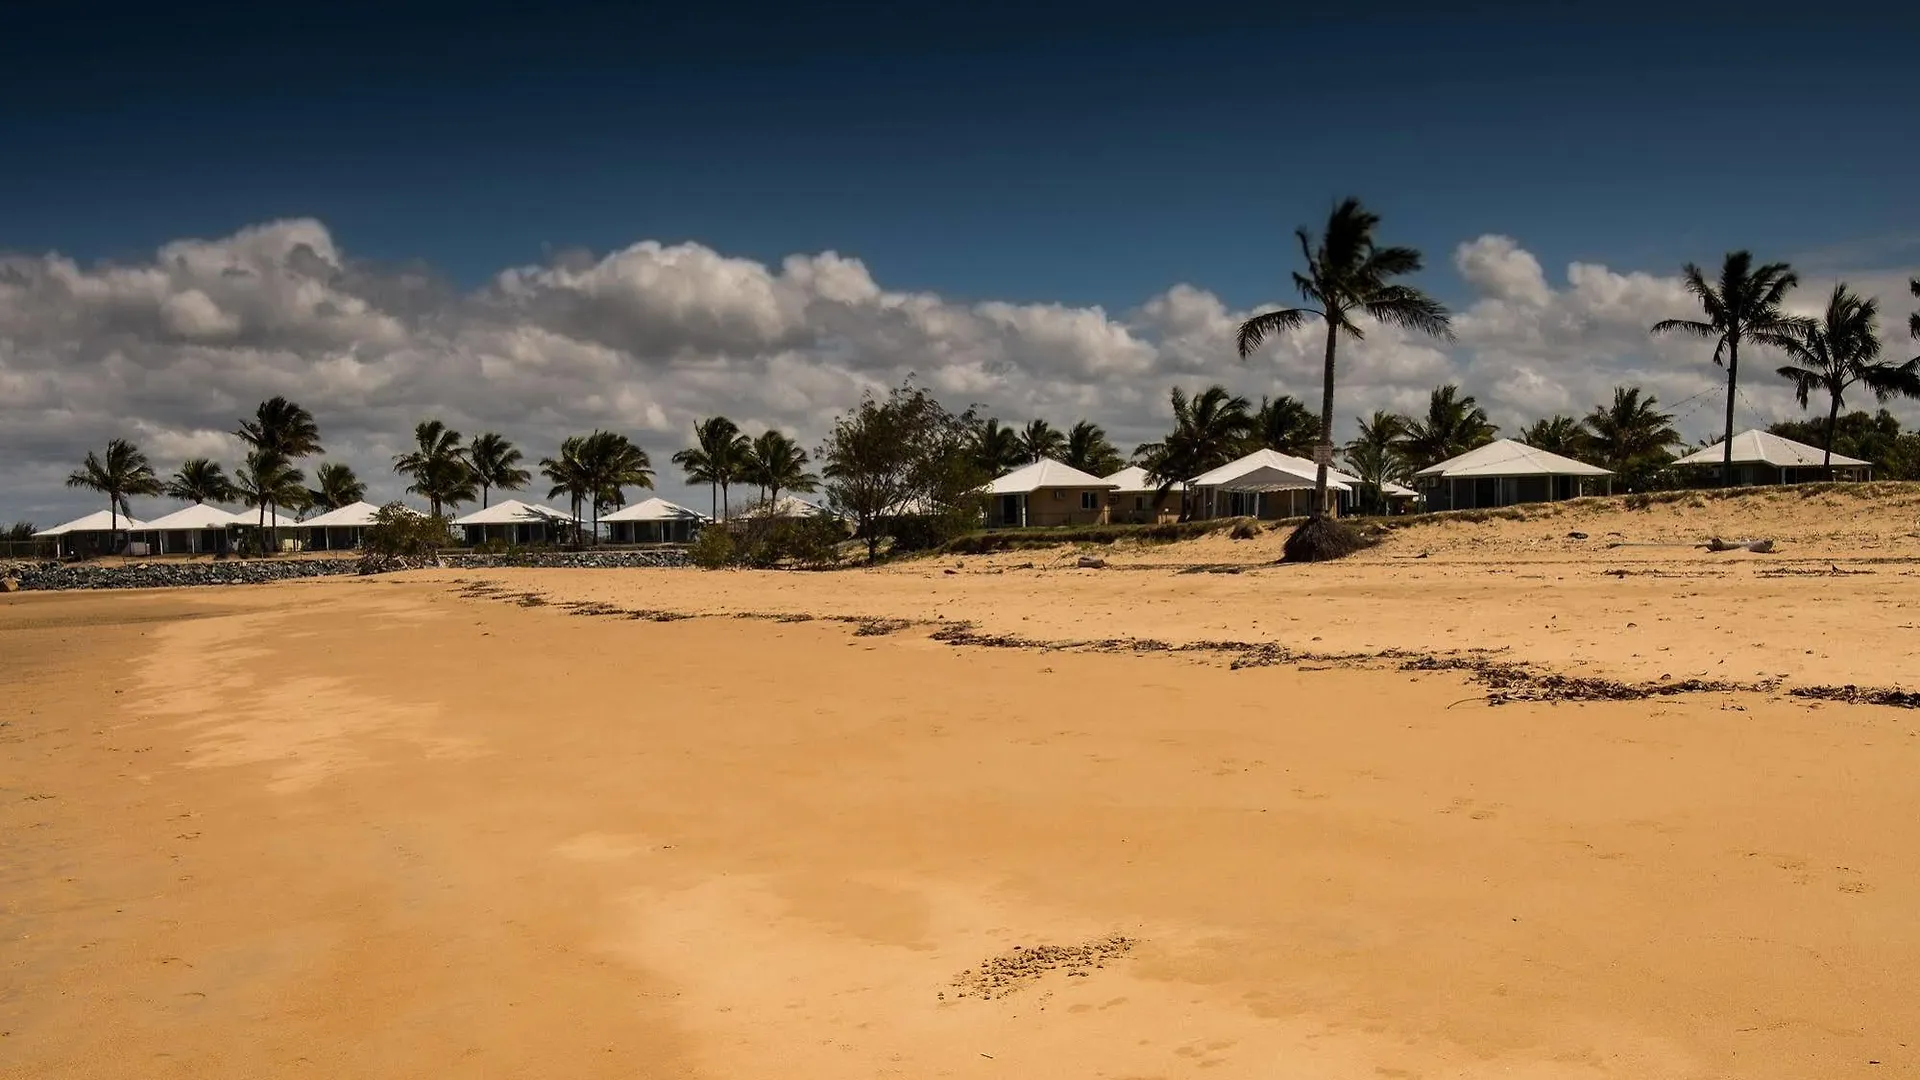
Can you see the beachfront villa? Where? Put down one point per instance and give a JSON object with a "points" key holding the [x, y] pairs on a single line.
{"points": [[515, 523], [200, 529], [652, 521], [98, 533], [1047, 492], [1269, 484], [340, 530], [1137, 500], [1761, 457], [1505, 472]]}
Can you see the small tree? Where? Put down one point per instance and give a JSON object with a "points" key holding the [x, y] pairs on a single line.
{"points": [[398, 530], [898, 455]]}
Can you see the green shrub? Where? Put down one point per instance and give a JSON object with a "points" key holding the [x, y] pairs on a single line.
{"points": [[712, 549], [397, 530]]}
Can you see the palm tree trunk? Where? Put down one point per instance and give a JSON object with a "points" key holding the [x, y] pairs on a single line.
{"points": [[260, 527], [1733, 385], [1326, 428], [726, 511], [485, 491], [1833, 417], [713, 498], [113, 518]]}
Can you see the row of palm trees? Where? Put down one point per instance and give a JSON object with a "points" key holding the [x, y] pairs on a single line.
{"points": [[723, 456]]}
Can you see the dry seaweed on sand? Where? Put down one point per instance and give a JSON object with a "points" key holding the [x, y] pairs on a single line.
{"points": [[998, 976]]}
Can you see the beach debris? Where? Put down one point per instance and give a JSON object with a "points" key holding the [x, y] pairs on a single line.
{"points": [[9, 584], [1245, 530], [1860, 695], [1092, 562], [1576, 535], [1763, 547], [998, 976]]}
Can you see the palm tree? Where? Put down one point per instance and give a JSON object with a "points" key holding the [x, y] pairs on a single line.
{"points": [[606, 464], [280, 429], [1348, 275], [1631, 436], [1090, 451], [438, 466], [1375, 455], [1285, 424], [336, 486], [1557, 434], [996, 448], [1913, 320], [495, 463], [1040, 440], [571, 475], [1208, 431], [778, 464], [268, 480], [200, 481], [1744, 306], [121, 472], [1453, 425], [1840, 349], [717, 458]]}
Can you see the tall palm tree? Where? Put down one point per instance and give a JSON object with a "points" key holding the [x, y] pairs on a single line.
{"points": [[1041, 440], [496, 464], [122, 471], [437, 466], [1744, 306], [1631, 436], [1285, 424], [778, 464], [1557, 434], [1375, 455], [1348, 275], [996, 448], [270, 482], [200, 481], [1452, 426], [717, 458], [571, 475], [1840, 349], [335, 486], [611, 464], [280, 429], [1090, 451]]}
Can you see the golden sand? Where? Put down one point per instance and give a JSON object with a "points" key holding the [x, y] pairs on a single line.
{"points": [[443, 825]]}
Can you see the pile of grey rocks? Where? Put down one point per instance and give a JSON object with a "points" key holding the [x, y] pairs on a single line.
{"points": [[169, 575]]}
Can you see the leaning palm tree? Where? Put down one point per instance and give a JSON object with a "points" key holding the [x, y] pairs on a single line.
{"points": [[996, 448], [122, 471], [280, 429], [1348, 277], [1375, 455], [1041, 440], [269, 482], [1090, 451], [1452, 426], [572, 475], [200, 481], [1744, 306], [496, 464], [778, 464], [335, 486], [437, 466], [716, 459], [1557, 434], [1839, 350], [608, 463], [1632, 436]]}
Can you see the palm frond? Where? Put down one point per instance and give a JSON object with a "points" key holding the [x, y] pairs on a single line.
{"points": [[1410, 309], [1256, 331]]}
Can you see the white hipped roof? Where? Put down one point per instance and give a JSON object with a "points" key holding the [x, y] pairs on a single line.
{"points": [[1133, 480], [653, 509], [1508, 457], [788, 506], [98, 521], [357, 515], [1270, 478], [514, 512], [191, 519], [1045, 473], [1756, 447], [277, 518], [1272, 459]]}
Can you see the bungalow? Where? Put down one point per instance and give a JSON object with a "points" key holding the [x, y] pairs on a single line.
{"points": [[192, 530], [652, 521], [1047, 492], [1137, 500], [277, 520], [1266, 484], [1505, 472], [98, 533], [1760, 457], [340, 530], [516, 523]]}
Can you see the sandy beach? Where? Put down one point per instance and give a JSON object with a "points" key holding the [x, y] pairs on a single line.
{"points": [[1190, 814]]}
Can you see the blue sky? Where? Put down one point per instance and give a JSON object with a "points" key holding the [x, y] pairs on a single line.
{"points": [[1082, 200]]}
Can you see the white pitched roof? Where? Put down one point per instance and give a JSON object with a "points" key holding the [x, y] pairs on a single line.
{"points": [[1271, 459], [788, 506], [1272, 478], [356, 515], [653, 509], [1756, 447], [1508, 457], [277, 518], [1045, 473], [1133, 479], [191, 518], [98, 521], [513, 512]]}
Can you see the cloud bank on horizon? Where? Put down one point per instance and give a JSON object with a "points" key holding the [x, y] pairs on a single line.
{"points": [[172, 351]]}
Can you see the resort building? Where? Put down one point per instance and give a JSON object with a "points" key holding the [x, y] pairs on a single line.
{"points": [[1760, 457], [340, 530], [1137, 500], [1505, 472], [98, 533], [1047, 492], [199, 529], [652, 521], [515, 523], [1269, 484]]}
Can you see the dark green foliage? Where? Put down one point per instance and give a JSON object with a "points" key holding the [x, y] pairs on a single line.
{"points": [[397, 530], [899, 456], [712, 549], [990, 540], [1875, 437]]}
